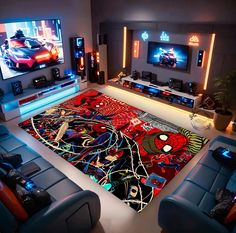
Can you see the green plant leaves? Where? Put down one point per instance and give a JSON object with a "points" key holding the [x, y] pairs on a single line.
{"points": [[224, 89]]}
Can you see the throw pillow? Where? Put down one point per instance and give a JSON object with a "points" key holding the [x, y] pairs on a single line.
{"points": [[8, 198], [231, 216], [224, 199]]}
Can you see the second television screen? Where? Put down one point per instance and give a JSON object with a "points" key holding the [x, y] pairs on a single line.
{"points": [[30, 45]]}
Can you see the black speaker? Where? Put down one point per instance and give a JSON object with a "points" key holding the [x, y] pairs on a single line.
{"points": [[56, 73], [101, 78], [146, 76], [78, 55], [17, 87], [190, 88], [93, 66], [101, 39], [153, 78], [135, 75], [200, 58]]}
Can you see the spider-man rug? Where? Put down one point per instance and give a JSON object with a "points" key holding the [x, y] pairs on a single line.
{"points": [[131, 153]]}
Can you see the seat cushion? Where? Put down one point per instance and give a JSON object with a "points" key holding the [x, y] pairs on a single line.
{"points": [[190, 192], [48, 178], [209, 161], [10, 143], [26, 153], [41, 163], [63, 188]]}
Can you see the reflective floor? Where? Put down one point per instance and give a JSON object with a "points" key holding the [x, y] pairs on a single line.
{"points": [[117, 217]]}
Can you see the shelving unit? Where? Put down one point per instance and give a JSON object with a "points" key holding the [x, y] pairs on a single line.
{"points": [[161, 92], [13, 106]]}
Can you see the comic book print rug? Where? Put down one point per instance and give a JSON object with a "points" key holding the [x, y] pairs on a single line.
{"points": [[131, 153]]}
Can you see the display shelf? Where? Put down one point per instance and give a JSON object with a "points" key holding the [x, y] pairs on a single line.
{"points": [[31, 98], [162, 93]]}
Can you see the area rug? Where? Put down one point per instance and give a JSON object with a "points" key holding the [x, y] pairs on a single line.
{"points": [[131, 153]]}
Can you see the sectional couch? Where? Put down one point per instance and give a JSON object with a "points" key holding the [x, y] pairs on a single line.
{"points": [[72, 210], [187, 209]]}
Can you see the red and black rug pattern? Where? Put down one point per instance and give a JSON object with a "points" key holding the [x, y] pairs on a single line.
{"points": [[131, 153]]}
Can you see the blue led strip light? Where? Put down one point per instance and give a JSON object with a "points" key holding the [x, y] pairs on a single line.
{"points": [[52, 98]]}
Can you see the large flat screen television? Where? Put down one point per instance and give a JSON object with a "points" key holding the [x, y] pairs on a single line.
{"points": [[28, 46], [173, 56]]}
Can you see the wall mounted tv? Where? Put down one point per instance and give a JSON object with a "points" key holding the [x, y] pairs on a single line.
{"points": [[172, 56], [28, 46]]}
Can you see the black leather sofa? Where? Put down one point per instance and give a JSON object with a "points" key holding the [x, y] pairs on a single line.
{"points": [[72, 209], [187, 209]]}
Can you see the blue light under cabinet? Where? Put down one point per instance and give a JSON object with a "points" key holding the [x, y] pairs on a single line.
{"points": [[47, 100]]}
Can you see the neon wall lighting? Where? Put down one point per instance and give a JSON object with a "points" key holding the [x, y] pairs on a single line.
{"points": [[164, 36], [209, 60], [97, 57], [144, 36], [136, 49], [44, 101], [124, 46], [193, 40]]}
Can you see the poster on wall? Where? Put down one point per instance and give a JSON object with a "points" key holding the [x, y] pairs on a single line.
{"points": [[29, 45]]}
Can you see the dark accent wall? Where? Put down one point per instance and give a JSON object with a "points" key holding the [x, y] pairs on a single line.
{"points": [[75, 16], [194, 73], [180, 16], [168, 11]]}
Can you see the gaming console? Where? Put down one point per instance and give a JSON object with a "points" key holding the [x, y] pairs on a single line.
{"points": [[154, 82], [41, 82]]}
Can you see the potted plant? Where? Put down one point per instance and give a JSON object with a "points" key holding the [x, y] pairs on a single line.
{"points": [[223, 96]]}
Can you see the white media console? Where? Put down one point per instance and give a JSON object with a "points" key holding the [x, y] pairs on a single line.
{"points": [[13, 106], [162, 92]]}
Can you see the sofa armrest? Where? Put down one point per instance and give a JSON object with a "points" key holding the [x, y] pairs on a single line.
{"points": [[78, 212], [3, 131], [177, 214]]}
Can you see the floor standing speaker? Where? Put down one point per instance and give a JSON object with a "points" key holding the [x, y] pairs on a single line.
{"points": [[101, 78], [17, 87], [78, 55], [93, 66]]}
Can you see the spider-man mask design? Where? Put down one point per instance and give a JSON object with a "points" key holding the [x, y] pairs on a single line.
{"points": [[164, 142]]}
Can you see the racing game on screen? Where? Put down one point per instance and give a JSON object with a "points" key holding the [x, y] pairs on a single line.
{"points": [[28, 46], [173, 56]]}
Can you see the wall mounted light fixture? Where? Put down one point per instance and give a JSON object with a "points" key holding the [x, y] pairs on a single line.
{"points": [[136, 49], [213, 35], [124, 46], [144, 36], [193, 40], [164, 36]]}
